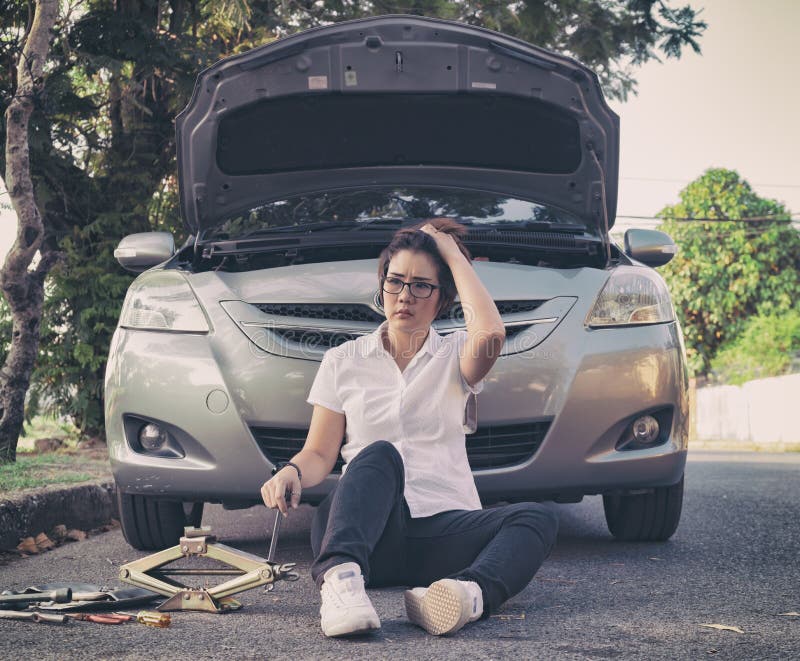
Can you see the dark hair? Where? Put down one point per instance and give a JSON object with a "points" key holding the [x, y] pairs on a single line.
{"points": [[415, 240]]}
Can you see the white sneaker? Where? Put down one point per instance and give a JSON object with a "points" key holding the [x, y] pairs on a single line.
{"points": [[445, 606], [346, 609]]}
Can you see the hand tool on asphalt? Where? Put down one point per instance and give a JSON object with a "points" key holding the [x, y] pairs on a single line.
{"points": [[85, 597], [93, 598], [20, 599], [105, 618], [150, 618], [249, 571], [33, 616]]}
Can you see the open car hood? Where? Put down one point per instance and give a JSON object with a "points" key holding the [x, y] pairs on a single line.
{"points": [[398, 100]]}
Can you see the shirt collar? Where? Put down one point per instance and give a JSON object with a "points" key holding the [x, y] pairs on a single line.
{"points": [[431, 344]]}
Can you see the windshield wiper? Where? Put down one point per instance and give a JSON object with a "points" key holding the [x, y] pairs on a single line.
{"points": [[531, 226], [320, 226]]}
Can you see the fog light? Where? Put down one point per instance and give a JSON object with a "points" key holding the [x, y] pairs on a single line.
{"points": [[645, 429], [152, 437]]}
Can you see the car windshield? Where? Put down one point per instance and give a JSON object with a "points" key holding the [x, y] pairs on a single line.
{"points": [[392, 206]]}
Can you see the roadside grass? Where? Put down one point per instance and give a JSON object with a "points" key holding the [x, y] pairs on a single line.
{"points": [[62, 467], [32, 471], [42, 470]]}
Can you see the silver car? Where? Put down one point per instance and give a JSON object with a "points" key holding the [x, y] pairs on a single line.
{"points": [[297, 162]]}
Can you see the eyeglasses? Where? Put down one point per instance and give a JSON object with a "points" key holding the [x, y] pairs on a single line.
{"points": [[417, 289]]}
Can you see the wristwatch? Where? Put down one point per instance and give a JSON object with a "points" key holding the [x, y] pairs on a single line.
{"points": [[284, 464]]}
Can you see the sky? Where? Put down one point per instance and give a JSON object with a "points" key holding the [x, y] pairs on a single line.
{"points": [[733, 106]]}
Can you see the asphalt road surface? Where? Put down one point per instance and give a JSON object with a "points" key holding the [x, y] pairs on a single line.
{"points": [[733, 561]]}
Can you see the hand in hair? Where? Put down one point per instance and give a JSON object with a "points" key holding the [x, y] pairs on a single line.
{"points": [[448, 248]]}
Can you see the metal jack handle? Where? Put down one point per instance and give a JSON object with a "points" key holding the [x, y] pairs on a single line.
{"points": [[273, 543]]}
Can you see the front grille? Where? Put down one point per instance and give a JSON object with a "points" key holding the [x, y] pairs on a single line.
{"points": [[491, 446], [510, 307], [360, 312], [280, 444], [496, 446], [324, 339], [314, 339], [503, 307], [336, 311]]}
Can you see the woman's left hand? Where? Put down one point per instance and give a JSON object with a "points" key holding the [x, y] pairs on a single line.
{"points": [[446, 244]]}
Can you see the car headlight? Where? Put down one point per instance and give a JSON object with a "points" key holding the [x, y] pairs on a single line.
{"points": [[632, 296], [163, 301]]}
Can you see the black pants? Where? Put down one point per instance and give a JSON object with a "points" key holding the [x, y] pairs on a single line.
{"points": [[366, 520]]}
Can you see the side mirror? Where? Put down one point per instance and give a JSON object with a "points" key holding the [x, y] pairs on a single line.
{"points": [[650, 247], [138, 252]]}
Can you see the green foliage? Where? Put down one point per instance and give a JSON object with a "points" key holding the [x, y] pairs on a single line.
{"points": [[728, 268], [769, 345], [103, 145], [81, 310], [43, 426]]}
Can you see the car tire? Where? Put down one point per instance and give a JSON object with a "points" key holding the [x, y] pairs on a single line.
{"points": [[152, 524], [644, 517]]}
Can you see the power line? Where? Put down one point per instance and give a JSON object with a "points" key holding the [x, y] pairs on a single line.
{"points": [[772, 217], [686, 181]]}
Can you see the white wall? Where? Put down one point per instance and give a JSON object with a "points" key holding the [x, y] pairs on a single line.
{"points": [[759, 411]]}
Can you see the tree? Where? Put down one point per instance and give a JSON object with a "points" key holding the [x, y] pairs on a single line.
{"points": [[612, 37], [103, 149], [769, 345], [22, 285], [738, 256]]}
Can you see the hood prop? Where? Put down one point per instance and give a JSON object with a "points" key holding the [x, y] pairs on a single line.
{"points": [[606, 237]]}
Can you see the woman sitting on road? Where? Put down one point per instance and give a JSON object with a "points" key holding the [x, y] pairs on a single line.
{"points": [[406, 510]]}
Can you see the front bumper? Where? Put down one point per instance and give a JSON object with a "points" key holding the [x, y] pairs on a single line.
{"points": [[214, 389]]}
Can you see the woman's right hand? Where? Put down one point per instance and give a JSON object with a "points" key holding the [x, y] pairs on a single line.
{"points": [[284, 482]]}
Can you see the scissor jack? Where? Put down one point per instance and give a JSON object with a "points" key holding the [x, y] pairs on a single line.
{"points": [[250, 571]]}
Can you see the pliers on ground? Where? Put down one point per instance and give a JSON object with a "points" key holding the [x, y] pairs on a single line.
{"points": [[104, 618]]}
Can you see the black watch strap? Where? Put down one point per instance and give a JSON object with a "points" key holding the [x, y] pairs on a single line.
{"points": [[284, 464]]}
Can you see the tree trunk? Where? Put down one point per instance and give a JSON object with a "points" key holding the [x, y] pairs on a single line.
{"points": [[23, 287]]}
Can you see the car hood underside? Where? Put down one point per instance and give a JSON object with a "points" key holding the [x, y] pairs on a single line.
{"points": [[398, 100]]}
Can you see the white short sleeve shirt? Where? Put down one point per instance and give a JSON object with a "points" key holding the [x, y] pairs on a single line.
{"points": [[420, 411]]}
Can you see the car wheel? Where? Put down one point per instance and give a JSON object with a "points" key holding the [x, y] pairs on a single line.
{"points": [[644, 517], [152, 524]]}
